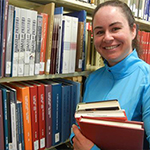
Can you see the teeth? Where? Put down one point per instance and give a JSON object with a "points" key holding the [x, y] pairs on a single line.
{"points": [[111, 47]]}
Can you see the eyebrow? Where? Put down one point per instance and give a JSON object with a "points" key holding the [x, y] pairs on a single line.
{"points": [[99, 27]]}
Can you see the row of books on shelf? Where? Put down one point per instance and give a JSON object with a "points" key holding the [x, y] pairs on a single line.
{"points": [[37, 114], [41, 41], [107, 125], [144, 41]]}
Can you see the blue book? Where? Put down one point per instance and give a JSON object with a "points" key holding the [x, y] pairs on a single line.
{"points": [[1, 123], [5, 112], [75, 98], [81, 15], [20, 125], [65, 111]]}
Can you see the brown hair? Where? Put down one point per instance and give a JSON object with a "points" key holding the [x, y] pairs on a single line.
{"points": [[128, 14]]}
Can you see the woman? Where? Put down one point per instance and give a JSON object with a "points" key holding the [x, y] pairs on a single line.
{"points": [[124, 77]]}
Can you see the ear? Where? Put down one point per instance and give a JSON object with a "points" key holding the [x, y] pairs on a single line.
{"points": [[134, 31]]}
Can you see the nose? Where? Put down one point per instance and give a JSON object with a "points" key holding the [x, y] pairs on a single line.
{"points": [[107, 37]]}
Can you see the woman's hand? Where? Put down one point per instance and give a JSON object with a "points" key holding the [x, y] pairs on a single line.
{"points": [[80, 142]]}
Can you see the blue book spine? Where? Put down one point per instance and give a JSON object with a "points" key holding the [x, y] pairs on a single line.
{"points": [[56, 113], [21, 127], [5, 112], [62, 47]]}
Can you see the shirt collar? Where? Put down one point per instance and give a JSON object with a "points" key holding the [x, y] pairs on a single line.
{"points": [[124, 67]]}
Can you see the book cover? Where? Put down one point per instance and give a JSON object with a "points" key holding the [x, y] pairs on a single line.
{"points": [[34, 113], [58, 14], [56, 110], [41, 113], [5, 117], [48, 114], [48, 9], [28, 42], [66, 44], [2, 146], [24, 96], [73, 45], [56, 45], [16, 43], [4, 36], [43, 42], [22, 50], [9, 40], [112, 134], [80, 55], [101, 105], [38, 44], [33, 42]]}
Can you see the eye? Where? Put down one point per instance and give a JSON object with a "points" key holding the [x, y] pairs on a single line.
{"points": [[99, 32], [116, 28]]}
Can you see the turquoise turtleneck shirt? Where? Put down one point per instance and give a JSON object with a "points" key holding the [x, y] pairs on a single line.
{"points": [[129, 82]]}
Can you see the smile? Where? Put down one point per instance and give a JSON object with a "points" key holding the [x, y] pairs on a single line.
{"points": [[111, 47]]}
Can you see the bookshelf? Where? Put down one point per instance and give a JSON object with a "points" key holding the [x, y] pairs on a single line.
{"points": [[69, 5]]}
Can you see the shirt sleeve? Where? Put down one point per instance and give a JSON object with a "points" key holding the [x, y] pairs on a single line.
{"points": [[146, 111], [95, 148]]}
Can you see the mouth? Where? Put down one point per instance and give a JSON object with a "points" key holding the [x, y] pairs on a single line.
{"points": [[111, 47]]}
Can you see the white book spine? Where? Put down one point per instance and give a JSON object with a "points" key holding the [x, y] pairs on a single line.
{"points": [[38, 48], [16, 45], [9, 39], [66, 50], [13, 126], [33, 42], [23, 31], [28, 43], [74, 32]]}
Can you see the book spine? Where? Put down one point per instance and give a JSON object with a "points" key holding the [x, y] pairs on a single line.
{"points": [[13, 125], [23, 29], [5, 118], [38, 47], [28, 43], [9, 40], [56, 114], [34, 117], [21, 126], [16, 42], [67, 37], [4, 39], [1, 122], [59, 17], [41, 108], [48, 112], [73, 45], [33, 43], [43, 42]]}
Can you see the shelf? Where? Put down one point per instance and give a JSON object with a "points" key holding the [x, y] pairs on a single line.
{"points": [[143, 24], [24, 4], [73, 4], [39, 77]]}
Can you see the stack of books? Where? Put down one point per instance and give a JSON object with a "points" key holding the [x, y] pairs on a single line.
{"points": [[106, 125]]}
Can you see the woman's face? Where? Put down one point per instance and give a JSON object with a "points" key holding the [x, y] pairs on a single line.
{"points": [[112, 34]]}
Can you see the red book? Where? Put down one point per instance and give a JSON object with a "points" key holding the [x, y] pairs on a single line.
{"points": [[124, 135], [48, 114], [34, 113], [43, 42], [41, 113], [119, 115]]}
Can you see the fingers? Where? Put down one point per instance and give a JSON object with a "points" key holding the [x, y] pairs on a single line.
{"points": [[77, 132]]}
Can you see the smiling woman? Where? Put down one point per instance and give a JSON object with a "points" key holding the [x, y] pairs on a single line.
{"points": [[125, 76]]}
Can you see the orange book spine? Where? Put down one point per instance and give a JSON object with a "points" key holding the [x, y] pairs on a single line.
{"points": [[24, 97], [43, 42]]}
